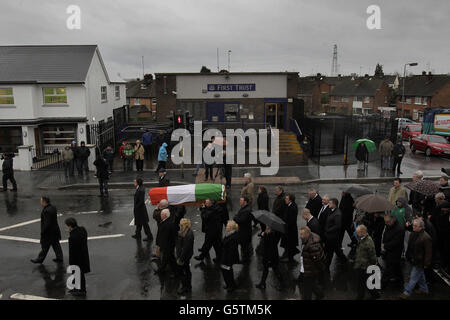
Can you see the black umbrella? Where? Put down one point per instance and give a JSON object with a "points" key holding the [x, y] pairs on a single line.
{"points": [[358, 190], [425, 187], [270, 219], [373, 203]]}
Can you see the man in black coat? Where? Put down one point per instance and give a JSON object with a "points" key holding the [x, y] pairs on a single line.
{"points": [[347, 208], [78, 252], [166, 237], [244, 220], [140, 211], [289, 240], [50, 232], [279, 204], [324, 212], [314, 203], [83, 154], [441, 220], [212, 225], [270, 258], [102, 175], [312, 223], [391, 249], [8, 171], [398, 153], [163, 181], [332, 233], [444, 187], [184, 251]]}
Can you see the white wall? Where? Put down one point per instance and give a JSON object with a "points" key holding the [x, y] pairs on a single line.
{"points": [[266, 86], [23, 103], [95, 79], [75, 106]]}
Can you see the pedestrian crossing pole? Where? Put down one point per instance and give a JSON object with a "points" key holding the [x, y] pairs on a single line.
{"points": [[182, 163]]}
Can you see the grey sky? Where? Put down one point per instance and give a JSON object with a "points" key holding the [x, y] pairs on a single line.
{"points": [[263, 35]]}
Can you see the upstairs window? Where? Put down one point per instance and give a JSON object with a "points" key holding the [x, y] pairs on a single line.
{"points": [[55, 95], [366, 99], [103, 94], [6, 96], [418, 100], [117, 92]]}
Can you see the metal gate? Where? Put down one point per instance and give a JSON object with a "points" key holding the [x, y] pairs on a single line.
{"points": [[50, 159]]}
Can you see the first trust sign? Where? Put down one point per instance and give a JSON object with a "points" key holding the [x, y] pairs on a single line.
{"points": [[232, 87]]}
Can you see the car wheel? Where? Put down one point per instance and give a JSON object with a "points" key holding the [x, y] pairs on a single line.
{"points": [[413, 149], [428, 152]]}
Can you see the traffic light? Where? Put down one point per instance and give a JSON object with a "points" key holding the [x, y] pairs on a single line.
{"points": [[178, 121]]}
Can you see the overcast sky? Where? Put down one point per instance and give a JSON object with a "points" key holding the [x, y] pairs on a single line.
{"points": [[263, 35]]}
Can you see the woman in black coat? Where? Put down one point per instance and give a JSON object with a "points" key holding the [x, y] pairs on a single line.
{"points": [[263, 203], [230, 255], [184, 250], [270, 258], [361, 155]]}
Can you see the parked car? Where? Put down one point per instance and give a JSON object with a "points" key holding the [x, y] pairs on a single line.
{"points": [[430, 144], [403, 122], [411, 131]]}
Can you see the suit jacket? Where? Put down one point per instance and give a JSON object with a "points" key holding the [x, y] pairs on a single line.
{"points": [[314, 205], [244, 219], [78, 249], [50, 231], [323, 217], [164, 181], [333, 225], [185, 247], [279, 205], [269, 244], [166, 236], [230, 253], [290, 238], [315, 227], [140, 210], [212, 221]]}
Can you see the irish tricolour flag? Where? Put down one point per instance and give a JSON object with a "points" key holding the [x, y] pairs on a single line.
{"points": [[190, 193]]}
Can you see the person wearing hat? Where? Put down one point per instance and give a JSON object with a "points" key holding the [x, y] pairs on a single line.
{"points": [[163, 181], [139, 153]]}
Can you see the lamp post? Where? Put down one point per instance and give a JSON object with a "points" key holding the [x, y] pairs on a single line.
{"points": [[229, 51], [412, 64]]}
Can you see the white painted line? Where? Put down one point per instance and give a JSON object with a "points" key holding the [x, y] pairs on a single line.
{"points": [[83, 212], [20, 239], [99, 237], [442, 275], [132, 222], [21, 296], [23, 223], [1, 296]]}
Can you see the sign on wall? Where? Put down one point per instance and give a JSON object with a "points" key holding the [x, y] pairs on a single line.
{"points": [[232, 87], [442, 123]]}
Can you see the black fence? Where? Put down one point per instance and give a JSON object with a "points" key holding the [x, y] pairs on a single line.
{"points": [[51, 158], [334, 135], [101, 134]]}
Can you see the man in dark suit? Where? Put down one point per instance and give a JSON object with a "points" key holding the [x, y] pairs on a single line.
{"points": [[289, 240], [78, 253], [166, 238], [163, 181], [279, 205], [312, 223], [244, 220], [314, 203], [324, 212], [50, 232], [212, 225], [332, 233], [140, 212]]}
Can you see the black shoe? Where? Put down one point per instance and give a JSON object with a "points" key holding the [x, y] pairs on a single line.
{"points": [[148, 239], [36, 261], [199, 258], [58, 260], [261, 286], [136, 237], [182, 291]]}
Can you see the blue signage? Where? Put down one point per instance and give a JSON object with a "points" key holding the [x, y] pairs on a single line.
{"points": [[232, 87]]}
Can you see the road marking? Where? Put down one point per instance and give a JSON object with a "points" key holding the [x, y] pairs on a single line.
{"points": [[19, 239], [132, 222], [83, 212], [21, 296], [23, 224], [442, 275], [62, 241], [1, 296]]}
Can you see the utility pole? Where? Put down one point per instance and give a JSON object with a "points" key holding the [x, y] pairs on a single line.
{"points": [[229, 51], [334, 64], [218, 68], [143, 73], [412, 64]]}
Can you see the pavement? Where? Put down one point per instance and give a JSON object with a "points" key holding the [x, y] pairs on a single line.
{"points": [[122, 267]]}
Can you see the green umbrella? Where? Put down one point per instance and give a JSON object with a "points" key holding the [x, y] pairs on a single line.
{"points": [[371, 147]]}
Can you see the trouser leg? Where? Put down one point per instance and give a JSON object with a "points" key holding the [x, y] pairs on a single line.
{"points": [[79, 168], [100, 185], [186, 276], [82, 282], [5, 181], [228, 277], [44, 250], [72, 166], [111, 165], [217, 244], [138, 230], [147, 230], [265, 274], [307, 287], [58, 250], [86, 166]]}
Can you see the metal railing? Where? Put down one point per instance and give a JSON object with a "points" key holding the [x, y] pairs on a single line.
{"points": [[50, 159]]}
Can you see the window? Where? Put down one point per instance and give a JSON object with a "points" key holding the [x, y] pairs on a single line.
{"points": [[55, 95], [6, 96], [117, 92], [425, 100], [408, 100], [57, 136], [437, 139], [418, 100], [10, 139], [366, 99], [231, 112], [344, 99], [104, 94], [137, 101]]}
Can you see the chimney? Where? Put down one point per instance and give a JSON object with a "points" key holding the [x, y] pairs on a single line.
{"points": [[424, 73], [430, 75]]}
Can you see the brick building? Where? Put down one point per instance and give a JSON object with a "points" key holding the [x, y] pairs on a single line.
{"points": [[423, 91], [249, 99], [142, 93]]}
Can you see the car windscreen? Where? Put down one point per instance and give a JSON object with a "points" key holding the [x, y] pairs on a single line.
{"points": [[438, 140], [415, 128]]}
